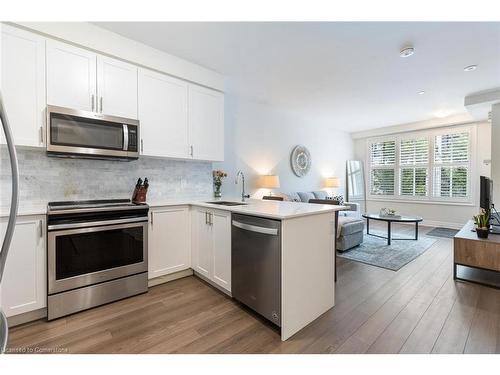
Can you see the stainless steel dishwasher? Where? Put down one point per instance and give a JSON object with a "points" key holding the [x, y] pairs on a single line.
{"points": [[256, 264]]}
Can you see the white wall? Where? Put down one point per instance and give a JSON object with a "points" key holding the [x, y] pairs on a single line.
{"points": [[448, 215], [495, 153], [259, 139]]}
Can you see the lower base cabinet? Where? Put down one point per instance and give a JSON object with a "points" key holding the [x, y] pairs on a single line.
{"points": [[24, 284], [211, 245], [169, 241]]}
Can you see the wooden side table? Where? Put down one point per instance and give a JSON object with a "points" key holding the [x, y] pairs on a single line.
{"points": [[471, 251]]}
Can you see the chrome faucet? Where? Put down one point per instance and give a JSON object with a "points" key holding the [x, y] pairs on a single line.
{"points": [[243, 195]]}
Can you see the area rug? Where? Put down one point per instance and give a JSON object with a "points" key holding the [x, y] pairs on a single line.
{"points": [[442, 232], [374, 251]]}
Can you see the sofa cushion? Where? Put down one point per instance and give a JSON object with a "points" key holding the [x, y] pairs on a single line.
{"points": [[292, 197], [349, 225], [320, 194], [305, 196]]}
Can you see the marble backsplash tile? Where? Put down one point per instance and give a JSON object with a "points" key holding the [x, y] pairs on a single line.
{"points": [[44, 179]]}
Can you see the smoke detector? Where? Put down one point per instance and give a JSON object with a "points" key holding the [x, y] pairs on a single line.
{"points": [[470, 68], [407, 52]]}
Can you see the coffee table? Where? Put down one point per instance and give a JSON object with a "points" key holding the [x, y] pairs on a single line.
{"points": [[390, 220]]}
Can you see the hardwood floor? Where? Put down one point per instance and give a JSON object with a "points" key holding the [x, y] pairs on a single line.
{"points": [[418, 309]]}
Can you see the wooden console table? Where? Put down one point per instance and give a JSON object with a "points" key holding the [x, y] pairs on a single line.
{"points": [[471, 251]]}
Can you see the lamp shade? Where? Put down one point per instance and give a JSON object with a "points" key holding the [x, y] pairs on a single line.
{"points": [[269, 181], [332, 182]]}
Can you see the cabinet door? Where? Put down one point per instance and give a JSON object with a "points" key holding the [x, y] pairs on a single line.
{"points": [[202, 243], [24, 282], [169, 241], [71, 76], [116, 88], [206, 123], [163, 115], [221, 228], [23, 85]]}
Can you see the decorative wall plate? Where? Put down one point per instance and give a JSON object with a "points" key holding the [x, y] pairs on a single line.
{"points": [[300, 160]]}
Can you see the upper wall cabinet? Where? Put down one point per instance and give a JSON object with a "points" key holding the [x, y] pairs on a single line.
{"points": [[71, 76], [80, 79], [23, 84], [163, 114], [206, 123], [116, 87]]}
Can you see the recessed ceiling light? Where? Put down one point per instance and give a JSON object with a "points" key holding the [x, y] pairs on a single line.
{"points": [[407, 51], [421, 92], [470, 68]]}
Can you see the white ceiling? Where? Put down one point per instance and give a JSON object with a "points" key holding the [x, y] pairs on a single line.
{"points": [[349, 74]]}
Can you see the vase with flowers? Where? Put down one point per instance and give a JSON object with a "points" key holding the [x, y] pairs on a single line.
{"points": [[218, 175], [482, 222]]}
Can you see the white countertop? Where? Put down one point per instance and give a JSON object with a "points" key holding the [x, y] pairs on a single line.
{"points": [[257, 207]]}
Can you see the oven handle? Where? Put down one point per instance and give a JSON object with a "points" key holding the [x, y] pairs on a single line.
{"points": [[97, 223]]}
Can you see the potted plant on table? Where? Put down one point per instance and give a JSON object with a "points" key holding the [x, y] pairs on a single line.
{"points": [[482, 222], [218, 175]]}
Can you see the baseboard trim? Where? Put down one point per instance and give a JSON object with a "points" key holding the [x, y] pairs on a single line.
{"points": [[208, 281], [27, 317], [173, 276], [438, 224]]}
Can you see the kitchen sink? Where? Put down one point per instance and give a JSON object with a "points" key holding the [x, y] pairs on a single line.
{"points": [[227, 203]]}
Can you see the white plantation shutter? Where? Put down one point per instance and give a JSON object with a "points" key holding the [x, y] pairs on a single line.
{"points": [[383, 161], [429, 165], [383, 153], [451, 165], [414, 162]]}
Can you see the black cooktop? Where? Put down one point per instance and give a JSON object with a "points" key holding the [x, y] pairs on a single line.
{"points": [[94, 204]]}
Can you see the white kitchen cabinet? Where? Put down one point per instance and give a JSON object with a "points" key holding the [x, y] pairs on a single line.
{"points": [[169, 241], [221, 254], [201, 242], [24, 284], [163, 114], [116, 87], [23, 85], [206, 123], [211, 245], [81, 79], [71, 76]]}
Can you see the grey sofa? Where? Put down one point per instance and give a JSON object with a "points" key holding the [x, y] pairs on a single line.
{"points": [[350, 225]]}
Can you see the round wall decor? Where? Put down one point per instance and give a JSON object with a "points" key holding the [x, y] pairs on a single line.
{"points": [[300, 160]]}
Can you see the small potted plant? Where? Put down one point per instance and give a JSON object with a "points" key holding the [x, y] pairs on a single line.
{"points": [[482, 222], [218, 175]]}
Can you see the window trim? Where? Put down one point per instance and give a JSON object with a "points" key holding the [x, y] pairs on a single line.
{"points": [[430, 135]]}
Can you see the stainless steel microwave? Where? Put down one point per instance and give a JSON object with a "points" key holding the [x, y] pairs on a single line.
{"points": [[75, 133]]}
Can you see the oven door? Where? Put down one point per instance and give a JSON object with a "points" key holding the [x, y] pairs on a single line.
{"points": [[86, 256], [77, 132]]}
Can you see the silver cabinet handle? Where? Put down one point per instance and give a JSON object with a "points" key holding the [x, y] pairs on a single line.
{"points": [[206, 217], [41, 135], [255, 228], [211, 221], [191, 150], [152, 217], [92, 102], [100, 103], [142, 146], [41, 228]]}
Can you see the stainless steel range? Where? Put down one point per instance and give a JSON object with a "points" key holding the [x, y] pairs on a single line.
{"points": [[97, 253]]}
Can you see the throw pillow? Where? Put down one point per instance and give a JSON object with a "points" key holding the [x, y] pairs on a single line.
{"points": [[320, 194], [339, 198], [293, 197], [304, 197]]}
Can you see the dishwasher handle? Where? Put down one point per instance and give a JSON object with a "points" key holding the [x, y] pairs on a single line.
{"points": [[255, 228]]}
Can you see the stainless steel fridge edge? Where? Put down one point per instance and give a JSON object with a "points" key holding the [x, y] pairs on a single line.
{"points": [[4, 328]]}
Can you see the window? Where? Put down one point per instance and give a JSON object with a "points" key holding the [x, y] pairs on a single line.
{"points": [[414, 163], [383, 161], [433, 165], [451, 165]]}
